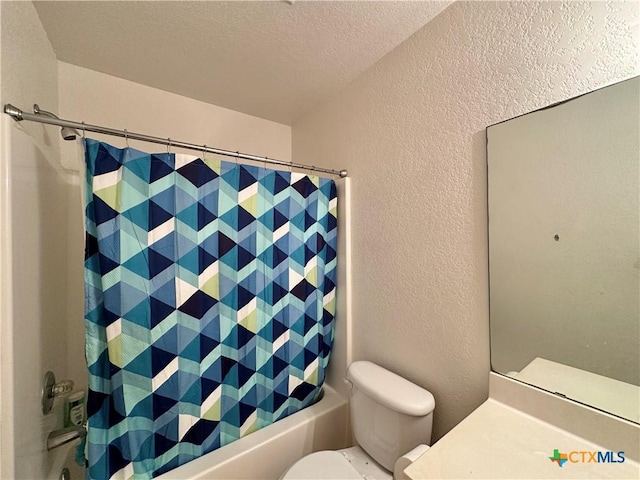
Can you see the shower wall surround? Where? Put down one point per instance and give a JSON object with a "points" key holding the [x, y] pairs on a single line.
{"points": [[33, 288]]}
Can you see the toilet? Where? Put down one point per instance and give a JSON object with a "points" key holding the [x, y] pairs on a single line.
{"points": [[391, 420]]}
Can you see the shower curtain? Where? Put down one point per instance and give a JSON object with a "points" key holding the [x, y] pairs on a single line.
{"points": [[209, 302]]}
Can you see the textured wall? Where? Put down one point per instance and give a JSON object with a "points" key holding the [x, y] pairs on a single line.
{"points": [[411, 132]]}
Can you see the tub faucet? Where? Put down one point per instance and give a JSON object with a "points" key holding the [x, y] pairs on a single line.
{"points": [[62, 436]]}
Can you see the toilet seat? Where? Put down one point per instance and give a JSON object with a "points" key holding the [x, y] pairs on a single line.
{"points": [[327, 464]]}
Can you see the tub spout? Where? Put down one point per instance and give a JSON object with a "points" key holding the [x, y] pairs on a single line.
{"points": [[62, 436]]}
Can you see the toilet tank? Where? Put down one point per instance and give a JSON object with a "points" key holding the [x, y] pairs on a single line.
{"points": [[389, 415]]}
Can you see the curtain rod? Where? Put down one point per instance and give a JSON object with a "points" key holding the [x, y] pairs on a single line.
{"points": [[44, 117]]}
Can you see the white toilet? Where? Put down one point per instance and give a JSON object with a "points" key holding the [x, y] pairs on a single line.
{"points": [[390, 417]]}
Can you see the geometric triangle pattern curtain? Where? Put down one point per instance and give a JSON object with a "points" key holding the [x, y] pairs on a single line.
{"points": [[209, 303]]}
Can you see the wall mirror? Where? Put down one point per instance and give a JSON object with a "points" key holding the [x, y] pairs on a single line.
{"points": [[564, 248]]}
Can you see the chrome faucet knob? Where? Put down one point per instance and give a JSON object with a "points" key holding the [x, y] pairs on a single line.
{"points": [[51, 389]]}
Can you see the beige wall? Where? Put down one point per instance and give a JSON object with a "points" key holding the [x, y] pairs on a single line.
{"points": [[101, 99], [411, 131], [33, 247]]}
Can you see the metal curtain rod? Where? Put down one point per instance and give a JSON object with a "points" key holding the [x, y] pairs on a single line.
{"points": [[19, 115]]}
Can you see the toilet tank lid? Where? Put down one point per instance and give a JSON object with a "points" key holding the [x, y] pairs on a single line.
{"points": [[391, 390]]}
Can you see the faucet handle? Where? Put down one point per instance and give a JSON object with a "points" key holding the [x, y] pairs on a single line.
{"points": [[51, 389], [62, 388], [60, 437]]}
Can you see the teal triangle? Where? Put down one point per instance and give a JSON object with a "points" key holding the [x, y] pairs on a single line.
{"points": [[139, 215]]}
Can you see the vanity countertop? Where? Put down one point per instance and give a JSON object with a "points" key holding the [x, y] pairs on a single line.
{"points": [[498, 441]]}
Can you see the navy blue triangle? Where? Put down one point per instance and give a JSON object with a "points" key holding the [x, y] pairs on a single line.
{"points": [[244, 218], [226, 366], [316, 243], [278, 400], [207, 387], [245, 412], [105, 162], [280, 183], [332, 222], [159, 359], [329, 255], [109, 317], [246, 179], [162, 405], [327, 317], [159, 311], [106, 265], [200, 431], [115, 413], [244, 336], [245, 257], [198, 304], [328, 285], [309, 356], [162, 445], [244, 297], [101, 211], [114, 454], [309, 323], [95, 402], [278, 328], [207, 345], [302, 290], [305, 186], [278, 256], [278, 219], [302, 391], [205, 259], [278, 293], [309, 221], [205, 217], [279, 366], [224, 244], [197, 172], [90, 245], [157, 215], [244, 374], [157, 263], [308, 254], [159, 169]]}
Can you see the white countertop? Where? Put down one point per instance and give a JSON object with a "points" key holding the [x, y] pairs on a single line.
{"points": [[497, 441]]}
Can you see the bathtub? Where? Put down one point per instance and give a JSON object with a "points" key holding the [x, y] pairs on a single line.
{"points": [[267, 453]]}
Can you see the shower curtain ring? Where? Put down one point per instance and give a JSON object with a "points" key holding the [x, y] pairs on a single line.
{"points": [[204, 152], [83, 130], [168, 145], [237, 156], [126, 138]]}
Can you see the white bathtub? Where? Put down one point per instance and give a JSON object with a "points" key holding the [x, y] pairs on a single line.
{"points": [[267, 453]]}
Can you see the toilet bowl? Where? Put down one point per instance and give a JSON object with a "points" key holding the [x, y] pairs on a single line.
{"points": [[391, 421]]}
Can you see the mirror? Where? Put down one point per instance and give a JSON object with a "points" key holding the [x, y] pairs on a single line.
{"points": [[564, 248]]}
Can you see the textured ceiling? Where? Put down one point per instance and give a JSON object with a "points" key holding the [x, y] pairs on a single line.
{"points": [[265, 58]]}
